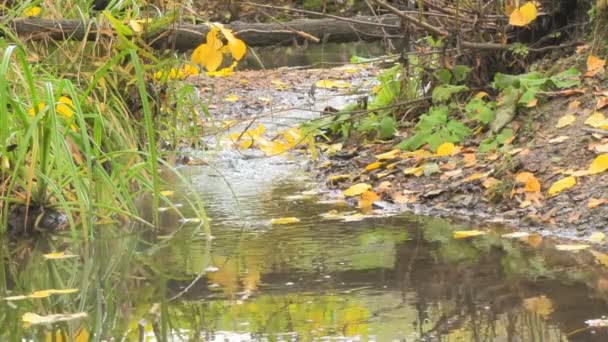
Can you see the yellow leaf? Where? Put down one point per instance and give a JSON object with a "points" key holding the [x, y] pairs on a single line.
{"points": [[337, 178], [388, 155], [522, 177], [236, 46], [446, 149], [328, 84], [285, 220], [138, 25], [571, 248], [47, 293], [58, 256], [209, 55], [33, 112], [280, 85], [461, 234], [600, 257], [524, 15], [597, 237], [416, 171], [595, 202], [224, 72], [167, 193], [599, 164], [65, 107], [516, 235], [594, 65], [596, 120], [373, 166], [481, 95], [357, 189], [561, 185], [490, 182], [34, 319], [469, 159], [540, 305], [231, 98], [368, 198], [32, 11], [565, 120], [475, 177], [559, 139]]}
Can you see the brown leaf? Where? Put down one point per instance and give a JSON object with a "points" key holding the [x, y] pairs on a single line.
{"points": [[595, 202], [469, 159], [602, 102]]}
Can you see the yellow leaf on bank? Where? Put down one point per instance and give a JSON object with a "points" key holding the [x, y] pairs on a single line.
{"points": [[565, 120], [561, 185], [357, 189], [599, 164], [524, 15], [285, 220], [571, 248], [597, 237], [445, 149], [388, 155], [594, 65], [328, 84], [600, 257], [231, 98], [32, 11], [368, 198], [373, 166], [596, 120], [224, 72], [58, 256], [461, 234], [595, 202], [337, 178], [469, 159]]}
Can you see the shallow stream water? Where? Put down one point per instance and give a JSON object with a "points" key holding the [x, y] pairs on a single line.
{"points": [[386, 278]]}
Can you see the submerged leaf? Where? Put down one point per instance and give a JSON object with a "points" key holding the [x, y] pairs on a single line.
{"points": [[328, 84], [285, 220], [461, 234]]}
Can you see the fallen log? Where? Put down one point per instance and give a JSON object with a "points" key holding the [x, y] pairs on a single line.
{"points": [[183, 37]]}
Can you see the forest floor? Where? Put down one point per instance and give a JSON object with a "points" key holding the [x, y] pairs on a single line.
{"points": [[492, 187]]}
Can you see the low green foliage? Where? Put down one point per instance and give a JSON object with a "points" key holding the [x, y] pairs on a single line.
{"points": [[434, 128]]}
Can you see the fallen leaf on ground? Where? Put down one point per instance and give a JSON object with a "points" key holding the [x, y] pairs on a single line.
{"points": [[561, 185], [490, 182], [357, 189], [571, 248], [388, 155], [469, 159], [368, 198], [284, 220], [445, 149], [373, 166], [231, 98], [599, 164], [595, 202], [461, 234], [336, 178], [34, 319], [596, 120], [600, 257], [58, 256], [565, 120], [516, 235], [601, 103], [597, 237], [594, 65], [559, 139]]}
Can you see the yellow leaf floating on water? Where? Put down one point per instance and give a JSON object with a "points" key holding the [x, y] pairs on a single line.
{"points": [[445, 149], [599, 164], [231, 98], [328, 84], [524, 15], [357, 189], [462, 234], [540, 305], [561, 185], [58, 256], [565, 120], [571, 248], [285, 220], [34, 319], [597, 237], [32, 11]]}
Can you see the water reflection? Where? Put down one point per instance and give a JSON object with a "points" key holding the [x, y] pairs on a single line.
{"points": [[383, 279]]}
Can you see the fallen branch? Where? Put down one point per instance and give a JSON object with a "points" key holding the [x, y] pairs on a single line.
{"points": [[184, 37]]}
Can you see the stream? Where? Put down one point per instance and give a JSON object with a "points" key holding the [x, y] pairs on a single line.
{"points": [[384, 278]]}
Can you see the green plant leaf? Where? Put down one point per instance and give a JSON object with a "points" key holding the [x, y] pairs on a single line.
{"points": [[445, 91], [444, 76], [387, 128], [461, 72]]}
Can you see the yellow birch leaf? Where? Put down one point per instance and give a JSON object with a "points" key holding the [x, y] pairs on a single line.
{"points": [[357, 189], [571, 248], [237, 47], [461, 234], [337, 178], [224, 72], [328, 84], [595, 202], [490, 182], [524, 15], [594, 65], [532, 185], [596, 120], [445, 149], [34, 319], [32, 11], [561, 185], [540, 305], [373, 166], [284, 220], [388, 155], [600, 257], [599, 164], [597, 237], [565, 120], [231, 98], [48, 293], [58, 256], [368, 198]]}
